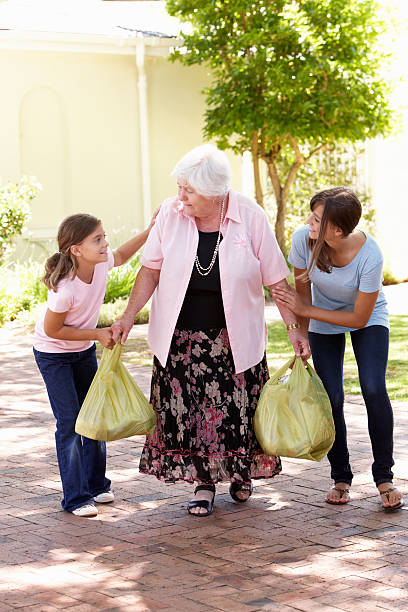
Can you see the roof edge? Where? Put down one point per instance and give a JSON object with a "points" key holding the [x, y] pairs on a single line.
{"points": [[85, 43]]}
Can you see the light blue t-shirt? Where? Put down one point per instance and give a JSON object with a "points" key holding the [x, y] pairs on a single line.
{"points": [[338, 290]]}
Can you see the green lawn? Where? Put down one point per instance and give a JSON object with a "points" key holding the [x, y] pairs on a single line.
{"points": [[279, 350], [397, 372]]}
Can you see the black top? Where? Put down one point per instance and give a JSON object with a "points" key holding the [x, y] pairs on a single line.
{"points": [[202, 307]]}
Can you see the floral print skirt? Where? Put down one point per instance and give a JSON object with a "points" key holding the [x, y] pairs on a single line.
{"points": [[204, 413]]}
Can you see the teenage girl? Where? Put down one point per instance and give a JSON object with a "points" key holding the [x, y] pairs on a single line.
{"points": [[64, 350], [338, 275]]}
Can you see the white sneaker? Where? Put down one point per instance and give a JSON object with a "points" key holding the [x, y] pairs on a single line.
{"points": [[104, 498], [87, 510]]}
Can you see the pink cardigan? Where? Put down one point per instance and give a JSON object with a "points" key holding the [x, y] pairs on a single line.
{"points": [[249, 257]]}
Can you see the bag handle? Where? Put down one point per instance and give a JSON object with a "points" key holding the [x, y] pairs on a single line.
{"points": [[310, 370], [279, 373], [112, 356], [293, 360]]}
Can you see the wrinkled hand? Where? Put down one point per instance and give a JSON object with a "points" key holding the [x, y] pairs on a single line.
{"points": [[122, 326], [286, 296], [104, 336], [300, 343]]}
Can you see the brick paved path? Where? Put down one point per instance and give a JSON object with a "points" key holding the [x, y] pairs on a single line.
{"points": [[285, 550]]}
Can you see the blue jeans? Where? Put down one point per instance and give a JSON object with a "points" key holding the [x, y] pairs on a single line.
{"points": [[370, 346], [81, 461]]}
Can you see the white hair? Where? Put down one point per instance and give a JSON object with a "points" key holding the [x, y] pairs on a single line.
{"points": [[206, 169]]}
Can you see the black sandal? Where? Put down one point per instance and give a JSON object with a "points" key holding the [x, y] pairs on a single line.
{"points": [[236, 487], [202, 503]]}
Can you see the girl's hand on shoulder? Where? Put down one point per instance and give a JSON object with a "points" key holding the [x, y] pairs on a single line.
{"points": [[286, 296], [152, 222], [105, 337]]}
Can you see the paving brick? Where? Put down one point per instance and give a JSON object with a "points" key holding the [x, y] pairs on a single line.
{"points": [[285, 550]]}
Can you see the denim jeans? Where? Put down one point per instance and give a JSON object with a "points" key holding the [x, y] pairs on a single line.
{"points": [[370, 346], [81, 461]]}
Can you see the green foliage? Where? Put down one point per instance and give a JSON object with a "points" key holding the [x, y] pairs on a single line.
{"points": [[288, 78], [308, 69], [113, 310], [342, 165], [20, 288], [389, 277], [121, 279], [15, 210]]}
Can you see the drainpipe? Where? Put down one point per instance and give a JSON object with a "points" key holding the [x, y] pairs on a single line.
{"points": [[144, 130]]}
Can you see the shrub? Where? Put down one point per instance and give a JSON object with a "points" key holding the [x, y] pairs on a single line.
{"points": [[15, 210], [121, 279], [112, 310], [20, 288], [389, 277]]}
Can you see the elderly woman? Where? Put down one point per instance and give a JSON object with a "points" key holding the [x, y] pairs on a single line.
{"points": [[207, 258]]}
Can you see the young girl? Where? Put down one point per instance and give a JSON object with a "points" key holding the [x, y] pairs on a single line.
{"points": [[338, 274], [64, 350]]}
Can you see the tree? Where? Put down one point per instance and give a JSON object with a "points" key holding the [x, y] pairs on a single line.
{"points": [[290, 77]]}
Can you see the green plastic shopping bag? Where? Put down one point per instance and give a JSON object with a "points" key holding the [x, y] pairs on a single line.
{"points": [[114, 406], [293, 417]]}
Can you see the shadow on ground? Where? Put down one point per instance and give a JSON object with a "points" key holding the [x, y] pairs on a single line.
{"points": [[285, 550]]}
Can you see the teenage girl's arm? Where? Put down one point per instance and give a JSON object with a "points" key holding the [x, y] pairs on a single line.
{"points": [[297, 336], [54, 327], [356, 318], [146, 282], [129, 248]]}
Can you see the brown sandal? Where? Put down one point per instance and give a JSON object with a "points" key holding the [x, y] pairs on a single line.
{"points": [[338, 502], [398, 505]]}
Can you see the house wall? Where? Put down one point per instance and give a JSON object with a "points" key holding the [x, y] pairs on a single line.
{"points": [[72, 120], [176, 109]]}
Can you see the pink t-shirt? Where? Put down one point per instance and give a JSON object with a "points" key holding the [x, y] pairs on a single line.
{"points": [[249, 258], [82, 302]]}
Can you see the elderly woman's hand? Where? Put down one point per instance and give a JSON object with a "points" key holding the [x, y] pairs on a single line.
{"points": [[122, 326], [300, 343]]}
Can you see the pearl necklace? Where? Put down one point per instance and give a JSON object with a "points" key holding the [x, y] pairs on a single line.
{"points": [[205, 271]]}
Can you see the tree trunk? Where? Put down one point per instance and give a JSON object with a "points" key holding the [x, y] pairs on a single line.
{"points": [[257, 174], [280, 232], [280, 204], [282, 192]]}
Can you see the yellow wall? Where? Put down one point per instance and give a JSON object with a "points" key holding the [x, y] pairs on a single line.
{"points": [[72, 120], [176, 109]]}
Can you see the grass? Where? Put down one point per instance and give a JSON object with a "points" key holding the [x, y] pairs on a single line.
{"points": [[136, 351], [279, 349]]}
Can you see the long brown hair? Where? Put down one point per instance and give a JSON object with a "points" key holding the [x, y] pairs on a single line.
{"points": [[73, 230], [342, 209]]}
